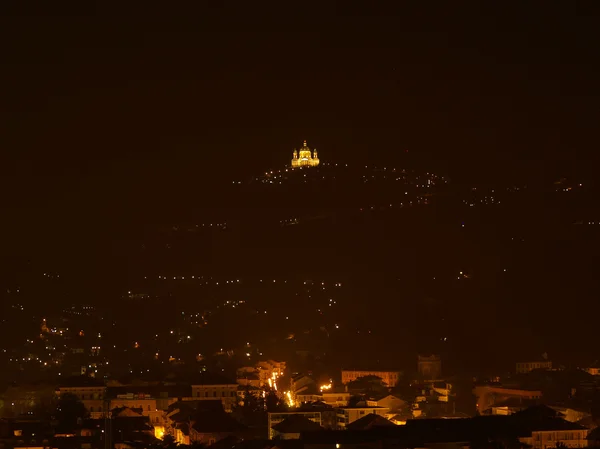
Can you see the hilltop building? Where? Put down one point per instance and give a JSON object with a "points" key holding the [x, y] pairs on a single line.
{"points": [[390, 378], [214, 387], [304, 157], [430, 367], [489, 395], [538, 363], [91, 392]]}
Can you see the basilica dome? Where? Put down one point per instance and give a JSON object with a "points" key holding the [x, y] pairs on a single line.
{"points": [[305, 157]]}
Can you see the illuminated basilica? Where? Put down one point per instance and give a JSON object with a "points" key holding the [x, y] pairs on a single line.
{"points": [[303, 157]]}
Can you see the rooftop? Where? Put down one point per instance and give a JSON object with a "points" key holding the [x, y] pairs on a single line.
{"points": [[209, 422], [359, 407], [420, 432], [369, 421], [182, 410], [310, 389], [296, 424]]}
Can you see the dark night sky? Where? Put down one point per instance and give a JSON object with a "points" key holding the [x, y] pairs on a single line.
{"points": [[104, 111]]}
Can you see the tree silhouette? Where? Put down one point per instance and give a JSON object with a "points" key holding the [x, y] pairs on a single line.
{"points": [[274, 403], [370, 385], [252, 402], [70, 411], [250, 409], [354, 400]]}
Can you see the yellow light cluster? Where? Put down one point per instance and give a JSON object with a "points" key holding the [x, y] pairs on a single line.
{"points": [[273, 380], [159, 432], [303, 157], [290, 400]]}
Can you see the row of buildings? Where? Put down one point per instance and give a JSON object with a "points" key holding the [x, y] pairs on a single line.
{"points": [[536, 427], [98, 398], [311, 426], [429, 368]]}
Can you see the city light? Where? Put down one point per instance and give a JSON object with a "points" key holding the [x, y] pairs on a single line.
{"points": [[289, 399], [159, 432]]}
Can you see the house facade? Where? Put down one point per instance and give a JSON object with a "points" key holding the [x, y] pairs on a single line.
{"points": [[390, 378], [224, 391], [347, 415], [549, 438]]}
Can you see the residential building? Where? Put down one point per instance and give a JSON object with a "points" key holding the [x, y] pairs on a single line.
{"points": [[145, 403], [128, 426], [212, 387], [246, 370], [369, 422], [292, 426], [593, 370], [488, 395], [328, 413], [390, 378], [526, 367], [538, 428], [510, 406], [441, 390], [91, 392], [336, 398], [570, 434], [347, 415], [26, 397], [429, 367], [208, 428], [180, 414], [248, 380], [269, 371], [300, 382], [258, 393], [278, 417], [264, 374], [21, 433], [309, 394], [389, 401]]}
